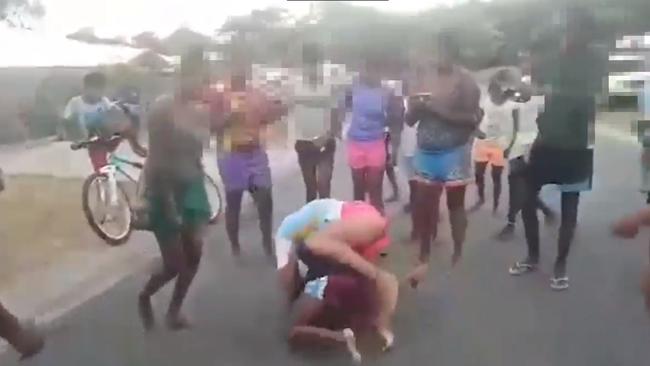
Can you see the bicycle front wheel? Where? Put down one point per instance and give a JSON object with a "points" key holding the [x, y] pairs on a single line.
{"points": [[109, 219], [215, 199]]}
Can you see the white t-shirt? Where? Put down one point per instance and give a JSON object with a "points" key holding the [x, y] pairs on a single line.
{"points": [[319, 212], [89, 116], [528, 113], [312, 109], [498, 122], [409, 140]]}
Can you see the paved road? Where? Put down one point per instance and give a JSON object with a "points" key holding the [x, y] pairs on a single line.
{"points": [[478, 316]]}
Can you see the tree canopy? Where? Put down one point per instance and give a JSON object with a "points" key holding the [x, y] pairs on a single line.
{"points": [[18, 12]]}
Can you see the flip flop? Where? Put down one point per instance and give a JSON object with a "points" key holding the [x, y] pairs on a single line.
{"points": [[520, 268], [560, 283]]}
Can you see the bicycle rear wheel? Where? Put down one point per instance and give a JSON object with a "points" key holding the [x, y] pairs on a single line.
{"points": [[215, 199], [111, 222]]}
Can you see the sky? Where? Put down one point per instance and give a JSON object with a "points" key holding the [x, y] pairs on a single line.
{"points": [[130, 17]]}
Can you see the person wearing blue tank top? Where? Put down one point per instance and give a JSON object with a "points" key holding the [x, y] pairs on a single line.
{"points": [[371, 111]]}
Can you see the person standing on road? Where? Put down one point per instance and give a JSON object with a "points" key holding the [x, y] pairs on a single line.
{"points": [[371, 112], [562, 153], [523, 136], [315, 108], [178, 204], [501, 117], [23, 338], [240, 115], [446, 104], [394, 135]]}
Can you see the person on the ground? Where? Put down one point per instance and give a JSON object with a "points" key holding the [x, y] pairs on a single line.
{"points": [[628, 228], [562, 154], [95, 115], [315, 106], [327, 266], [446, 104], [371, 111], [22, 337], [240, 116], [523, 135], [501, 117], [178, 205]]}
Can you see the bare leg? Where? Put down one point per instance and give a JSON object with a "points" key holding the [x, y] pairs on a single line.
{"points": [[497, 172], [375, 187], [263, 198], [192, 242], [172, 256], [304, 331], [359, 184], [233, 209], [479, 175], [413, 184], [427, 206], [26, 341], [390, 174], [388, 291], [457, 219]]}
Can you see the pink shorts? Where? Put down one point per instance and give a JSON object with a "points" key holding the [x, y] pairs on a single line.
{"points": [[372, 251], [367, 154]]}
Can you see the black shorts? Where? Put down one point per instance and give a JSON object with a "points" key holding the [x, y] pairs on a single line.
{"points": [[548, 165]]}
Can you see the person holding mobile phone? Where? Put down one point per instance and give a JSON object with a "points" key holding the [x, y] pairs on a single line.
{"points": [[445, 105]]}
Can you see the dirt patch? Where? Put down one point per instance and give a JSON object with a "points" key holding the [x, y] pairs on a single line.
{"points": [[41, 222]]}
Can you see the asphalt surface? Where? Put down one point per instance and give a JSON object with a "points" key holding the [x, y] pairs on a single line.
{"points": [[478, 315]]}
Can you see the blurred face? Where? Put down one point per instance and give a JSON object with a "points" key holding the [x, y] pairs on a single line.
{"points": [[93, 93], [191, 86], [371, 73], [446, 57]]}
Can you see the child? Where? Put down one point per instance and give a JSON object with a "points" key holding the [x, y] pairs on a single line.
{"points": [[501, 116], [523, 136]]}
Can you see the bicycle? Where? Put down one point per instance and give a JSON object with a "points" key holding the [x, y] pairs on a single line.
{"points": [[117, 204]]}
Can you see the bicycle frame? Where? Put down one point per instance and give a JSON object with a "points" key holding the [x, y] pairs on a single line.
{"points": [[110, 170]]}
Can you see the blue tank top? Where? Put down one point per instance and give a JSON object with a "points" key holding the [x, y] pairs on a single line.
{"points": [[369, 113]]}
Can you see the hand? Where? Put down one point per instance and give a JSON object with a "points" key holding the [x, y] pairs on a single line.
{"points": [[506, 153], [626, 228], [141, 151]]}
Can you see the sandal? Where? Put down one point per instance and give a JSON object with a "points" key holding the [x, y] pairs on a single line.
{"points": [[520, 268], [560, 283]]}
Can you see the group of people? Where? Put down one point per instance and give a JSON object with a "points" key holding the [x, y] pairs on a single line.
{"points": [[443, 135]]}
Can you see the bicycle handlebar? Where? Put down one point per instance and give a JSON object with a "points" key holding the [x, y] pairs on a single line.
{"points": [[93, 140]]}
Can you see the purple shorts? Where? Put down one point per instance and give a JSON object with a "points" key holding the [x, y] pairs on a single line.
{"points": [[244, 170]]}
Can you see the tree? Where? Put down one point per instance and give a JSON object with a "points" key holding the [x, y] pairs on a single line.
{"points": [[148, 40], [18, 13]]}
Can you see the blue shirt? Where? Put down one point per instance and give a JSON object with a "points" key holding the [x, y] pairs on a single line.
{"points": [[369, 113]]}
